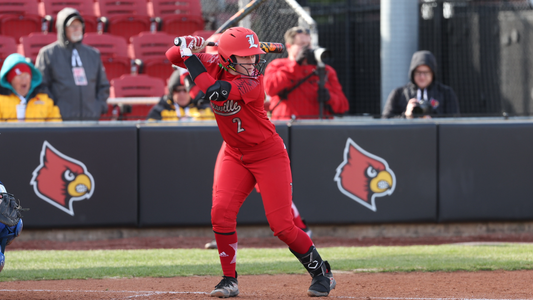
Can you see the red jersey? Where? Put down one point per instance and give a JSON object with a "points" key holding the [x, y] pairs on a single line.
{"points": [[283, 73], [241, 118]]}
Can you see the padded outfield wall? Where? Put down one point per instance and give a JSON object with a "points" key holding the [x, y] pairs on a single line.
{"points": [[146, 175]]}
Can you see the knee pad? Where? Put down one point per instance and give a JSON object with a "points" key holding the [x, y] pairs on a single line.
{"points": [[16, 230], [8, 234]]}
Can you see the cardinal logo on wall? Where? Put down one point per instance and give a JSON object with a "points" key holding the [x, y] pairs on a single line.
{"points": [[61, 180], [363, 176]]}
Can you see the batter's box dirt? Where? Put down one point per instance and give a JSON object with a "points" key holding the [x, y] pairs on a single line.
{"points": [[437, 285]]}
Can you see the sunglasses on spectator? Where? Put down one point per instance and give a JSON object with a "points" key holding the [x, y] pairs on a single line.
{"points": [[180, 90], [300, 30]]}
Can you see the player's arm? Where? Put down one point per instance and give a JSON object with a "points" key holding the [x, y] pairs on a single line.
{"points": [[214, 90], [190, 44]]}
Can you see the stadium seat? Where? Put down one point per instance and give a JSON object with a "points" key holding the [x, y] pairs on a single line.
{"points": [[113, 52], [123, 18], [137, 86], [204, 33], [84, 7], [150, 48], [7, 47], [19, 18], [31, 44], [177, 17]]}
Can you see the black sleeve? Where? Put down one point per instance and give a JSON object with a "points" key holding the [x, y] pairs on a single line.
{"points": [[393, 105]]}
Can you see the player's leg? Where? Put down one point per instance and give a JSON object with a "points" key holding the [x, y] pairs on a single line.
{"points": [[234, 184], [218, 162], [7, 235], [299, 221], [274, 178]]}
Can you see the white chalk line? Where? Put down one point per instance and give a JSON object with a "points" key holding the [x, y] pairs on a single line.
{"points": [[151, 293]]}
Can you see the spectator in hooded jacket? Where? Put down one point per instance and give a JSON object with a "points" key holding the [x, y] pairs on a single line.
{"points": [[423, 95], [178, 104], [22, 97], [73, 72]]}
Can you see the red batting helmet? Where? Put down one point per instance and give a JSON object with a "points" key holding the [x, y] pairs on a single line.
{"points": [[238, 41]]}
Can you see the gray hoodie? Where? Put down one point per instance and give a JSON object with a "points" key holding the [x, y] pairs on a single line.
{"points": [[441, 97], [86, 102]]}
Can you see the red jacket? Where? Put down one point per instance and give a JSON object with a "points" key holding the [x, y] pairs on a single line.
{"points": [[302, 102]]}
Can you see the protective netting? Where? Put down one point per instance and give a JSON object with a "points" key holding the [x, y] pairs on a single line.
{"points": [[269, 20]]}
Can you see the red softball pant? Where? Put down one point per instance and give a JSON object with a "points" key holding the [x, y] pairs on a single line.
{"points": [[267, 164]]}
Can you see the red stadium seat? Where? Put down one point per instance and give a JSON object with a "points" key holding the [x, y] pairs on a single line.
{"points": [[31, 44], [150, 48], [7, 47], [137, 86], [113, 51], [19, 18], [123, 18], [181, 17], [84, 7]]}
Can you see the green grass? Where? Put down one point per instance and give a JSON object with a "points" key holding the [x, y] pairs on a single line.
{"points": [[40, 265]]}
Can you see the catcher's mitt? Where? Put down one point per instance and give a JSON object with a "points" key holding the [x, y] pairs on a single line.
{"points": [[10, 209]]}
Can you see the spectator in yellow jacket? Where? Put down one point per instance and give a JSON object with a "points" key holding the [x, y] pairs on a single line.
{"points": [[21, 96], [184, 101]]}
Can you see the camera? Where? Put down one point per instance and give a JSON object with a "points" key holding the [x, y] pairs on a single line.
{"points": [[313, 56], [422, 108]]}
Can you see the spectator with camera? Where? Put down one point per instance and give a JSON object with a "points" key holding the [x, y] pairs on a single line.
{"points": [[301, 84], [423, 95]]}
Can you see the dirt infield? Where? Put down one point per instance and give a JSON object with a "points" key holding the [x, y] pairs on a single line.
{"points": [[456, 285], [350, 285]]}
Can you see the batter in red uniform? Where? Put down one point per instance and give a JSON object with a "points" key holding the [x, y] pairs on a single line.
{"points": [[255, 153]]}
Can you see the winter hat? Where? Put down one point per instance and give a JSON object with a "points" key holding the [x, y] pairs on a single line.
{"points": [[17, 70]]}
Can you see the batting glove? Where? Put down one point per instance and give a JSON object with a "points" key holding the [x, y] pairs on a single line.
{"points": [[189, 44]]}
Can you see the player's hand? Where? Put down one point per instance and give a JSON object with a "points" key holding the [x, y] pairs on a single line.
{"points": [[323, 94], [190, 44]]}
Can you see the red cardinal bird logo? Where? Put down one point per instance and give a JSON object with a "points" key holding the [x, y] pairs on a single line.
{"points": [[364, 176], [61, 180]]}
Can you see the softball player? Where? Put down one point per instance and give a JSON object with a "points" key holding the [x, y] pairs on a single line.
{"points": [[233, 82]]}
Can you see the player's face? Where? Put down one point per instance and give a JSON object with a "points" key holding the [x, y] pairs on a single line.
{"points": [[245, 65], [423, 76], [301, 42], [180, 96], [21, 83]]}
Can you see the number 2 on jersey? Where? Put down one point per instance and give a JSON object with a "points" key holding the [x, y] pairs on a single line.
{"points": [[239, 124]]}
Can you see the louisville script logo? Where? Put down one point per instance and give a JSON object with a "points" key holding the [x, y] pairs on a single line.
{"points": [[363, 176], [61, 180]]}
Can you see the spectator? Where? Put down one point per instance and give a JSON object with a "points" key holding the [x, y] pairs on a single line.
{"points": [[73, 72], [22, 97], [423, 95], [292, 82], [178, 103]]}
